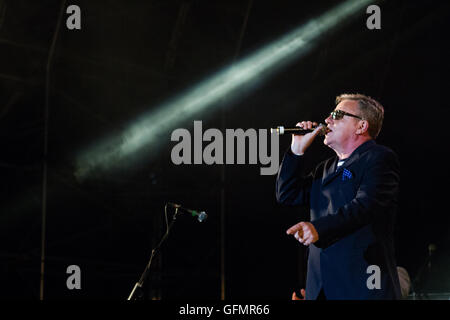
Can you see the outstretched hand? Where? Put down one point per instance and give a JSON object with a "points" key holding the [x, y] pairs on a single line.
{"points": [[304, 232], [302, 293]]}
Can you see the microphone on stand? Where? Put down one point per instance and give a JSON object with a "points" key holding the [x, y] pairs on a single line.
{"points": [[299, 131], [201, 215]]}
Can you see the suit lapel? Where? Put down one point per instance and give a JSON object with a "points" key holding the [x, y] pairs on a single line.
{"points": [[349, 161], [330, 172]]}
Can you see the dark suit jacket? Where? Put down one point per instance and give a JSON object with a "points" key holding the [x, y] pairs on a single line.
{"points": [[353, 210]]}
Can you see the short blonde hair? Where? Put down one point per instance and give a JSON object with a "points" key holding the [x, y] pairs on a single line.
{"points": [[371, 110]]}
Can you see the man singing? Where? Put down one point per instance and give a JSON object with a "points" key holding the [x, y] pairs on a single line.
{"points": [[353, 199]]}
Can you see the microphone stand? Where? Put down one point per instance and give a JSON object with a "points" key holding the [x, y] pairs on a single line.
{"points": [[417, 283], [138, 286]]}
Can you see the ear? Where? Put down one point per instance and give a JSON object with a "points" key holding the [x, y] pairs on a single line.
{"points": [[363, 126]]}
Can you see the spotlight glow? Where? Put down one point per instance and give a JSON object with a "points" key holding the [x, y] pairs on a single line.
{"points": [[152, 129]]}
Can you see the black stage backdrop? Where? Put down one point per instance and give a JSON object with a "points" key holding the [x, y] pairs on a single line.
{"points": [[128, 58]]}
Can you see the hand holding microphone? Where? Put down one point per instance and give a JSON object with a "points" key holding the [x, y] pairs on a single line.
{"points": [[301, 142]]}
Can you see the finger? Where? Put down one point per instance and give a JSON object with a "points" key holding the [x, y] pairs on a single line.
{"points": [[301, 240], [305, 226], [317, 130], [291, 230], [302, 292], [299, 235], [307, 241], [294, 229]]}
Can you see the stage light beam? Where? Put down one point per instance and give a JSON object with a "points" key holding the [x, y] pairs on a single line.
{"points": [[151, 129]]}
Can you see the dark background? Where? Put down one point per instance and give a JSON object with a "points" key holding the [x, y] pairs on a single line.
{"points": [[129, 57]]}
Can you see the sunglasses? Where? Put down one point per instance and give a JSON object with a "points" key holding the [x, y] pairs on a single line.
{"points": [[339, 114]]}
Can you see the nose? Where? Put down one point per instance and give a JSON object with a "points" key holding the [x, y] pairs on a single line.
{"points": [[328, 120]]}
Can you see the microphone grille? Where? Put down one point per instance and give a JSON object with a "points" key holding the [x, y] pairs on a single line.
{"points": [[202, 216]]}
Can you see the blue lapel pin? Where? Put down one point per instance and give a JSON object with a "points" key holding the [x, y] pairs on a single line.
{"points": [[346, 175]]}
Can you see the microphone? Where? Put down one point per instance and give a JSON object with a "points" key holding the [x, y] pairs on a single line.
{"points": [[201, 215], [299, 131]]}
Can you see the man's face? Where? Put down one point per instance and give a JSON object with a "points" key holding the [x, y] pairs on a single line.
{"points": [[342, 130]]}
